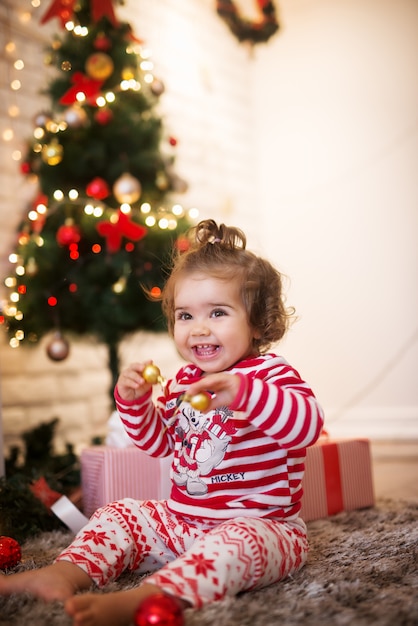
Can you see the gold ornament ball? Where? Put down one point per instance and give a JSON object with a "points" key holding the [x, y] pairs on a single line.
{"points": [[99, 66], [52, 153], [128, 73], [161, 181], [127, 188], [31, 267], [201, 401], [151, 374]]}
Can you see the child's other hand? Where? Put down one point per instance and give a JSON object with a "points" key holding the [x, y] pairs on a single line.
{"points": [[224, 387], [130, 384]]}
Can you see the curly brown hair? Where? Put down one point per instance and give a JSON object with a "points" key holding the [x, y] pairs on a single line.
{"points": [[220, 251]]}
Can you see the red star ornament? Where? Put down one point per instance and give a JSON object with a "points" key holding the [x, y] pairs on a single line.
{"points": [[89, 86], [113, 231]]}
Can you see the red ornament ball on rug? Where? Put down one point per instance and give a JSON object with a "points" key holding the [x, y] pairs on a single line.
{"points": [[159, 610], [10, 552]]}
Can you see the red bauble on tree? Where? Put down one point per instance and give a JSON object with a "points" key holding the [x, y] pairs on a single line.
{"points": [[103, 116], [25, 167], [102, 43], [10, 552], [68, 233], [98, 189]]}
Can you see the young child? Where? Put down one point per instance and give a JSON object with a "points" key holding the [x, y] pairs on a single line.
{"points": [[231, 523]]}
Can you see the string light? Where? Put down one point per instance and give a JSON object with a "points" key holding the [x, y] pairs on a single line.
{"points": [[150, 221]]}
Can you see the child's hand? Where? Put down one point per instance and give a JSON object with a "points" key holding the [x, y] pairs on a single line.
{"points": [[224, 387], [130, 383]]}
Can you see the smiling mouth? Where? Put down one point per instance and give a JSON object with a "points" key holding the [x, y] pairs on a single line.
{"points": [[205, 350]]}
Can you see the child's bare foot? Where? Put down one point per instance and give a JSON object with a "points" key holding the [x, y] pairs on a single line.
{"points": [[54, 582], [108, 609]]}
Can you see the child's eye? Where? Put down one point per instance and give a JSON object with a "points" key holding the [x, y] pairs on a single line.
{"points": [[183, 315], [218, 313]]}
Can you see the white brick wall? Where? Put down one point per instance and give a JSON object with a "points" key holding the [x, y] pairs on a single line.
{"points": [[207, 107]]}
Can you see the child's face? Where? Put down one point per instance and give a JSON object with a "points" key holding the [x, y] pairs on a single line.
{"points": [[211, 328]]}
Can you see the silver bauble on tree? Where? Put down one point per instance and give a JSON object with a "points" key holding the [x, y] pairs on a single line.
{"points": [[75, 116], [59, 348]]}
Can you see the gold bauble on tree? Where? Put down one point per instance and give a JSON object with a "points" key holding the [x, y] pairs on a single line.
{"points": [[31, 267], [52, 153], [161, 181], [127, 188], [128, 73], [99, 66]]}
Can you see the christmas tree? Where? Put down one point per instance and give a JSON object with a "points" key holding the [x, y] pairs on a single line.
{"points": [[99, 234]]}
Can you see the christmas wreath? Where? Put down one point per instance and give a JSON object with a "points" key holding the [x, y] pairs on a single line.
{"points": [[245, 30]]}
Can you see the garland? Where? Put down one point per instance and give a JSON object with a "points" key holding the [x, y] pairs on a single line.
{"points": [[245, 30]]}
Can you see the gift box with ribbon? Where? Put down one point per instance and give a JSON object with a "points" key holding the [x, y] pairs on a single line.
{"points": [[110, 473], [338, 477]]}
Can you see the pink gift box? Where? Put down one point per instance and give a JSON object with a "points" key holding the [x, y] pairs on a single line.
{"points": [[338, 477], [110, 473]]}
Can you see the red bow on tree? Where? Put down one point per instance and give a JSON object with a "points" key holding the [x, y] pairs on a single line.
{"points": [[122, 227], [89, 86], [103, 8], [43, 492], [64, 9]]}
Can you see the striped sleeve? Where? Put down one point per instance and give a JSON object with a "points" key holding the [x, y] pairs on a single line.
{"points": [[146, 424], [280, 404]]}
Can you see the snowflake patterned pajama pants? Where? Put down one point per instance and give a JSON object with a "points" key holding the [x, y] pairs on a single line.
{"points": [[198, 561]]}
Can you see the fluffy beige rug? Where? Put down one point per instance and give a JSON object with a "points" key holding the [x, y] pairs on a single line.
{"points": [[362, 571]]}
